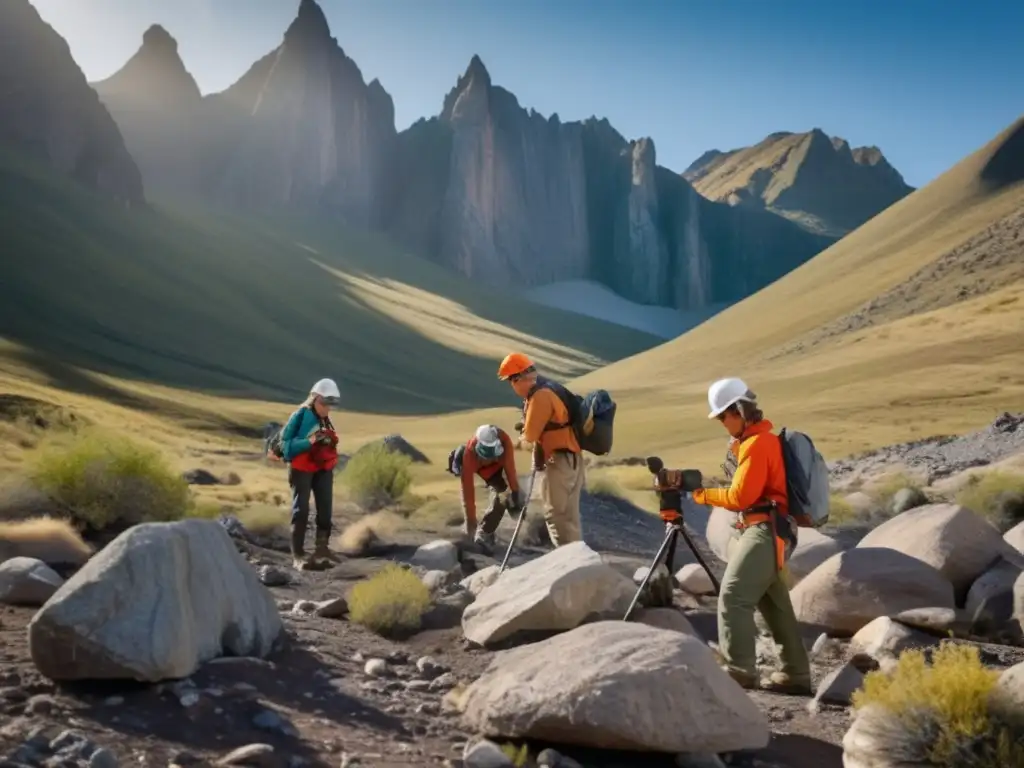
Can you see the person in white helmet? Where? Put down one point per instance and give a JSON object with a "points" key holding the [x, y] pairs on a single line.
{"points": [[489, 454], [309, 443], [754, 577]]}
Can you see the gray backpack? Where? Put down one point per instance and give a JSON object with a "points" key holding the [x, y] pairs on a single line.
{"points": [[806, 480]]}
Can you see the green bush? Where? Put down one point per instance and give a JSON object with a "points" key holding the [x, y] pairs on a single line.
{"points": [[110, 481], [942, 710], [391, 602], [377, 477], [999, 496]]}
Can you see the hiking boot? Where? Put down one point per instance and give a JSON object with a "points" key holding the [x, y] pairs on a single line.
{"points": [[486, 541], [746, 680], [780, 682], [322, 550]]}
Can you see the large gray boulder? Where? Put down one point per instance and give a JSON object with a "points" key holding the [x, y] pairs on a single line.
{"points": [[855, 587], [557, 591], [629, 686], [960, 544], [154, 604]]}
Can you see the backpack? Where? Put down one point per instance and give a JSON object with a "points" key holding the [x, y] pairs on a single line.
{"points": [[455, 460], [807, 480], [590, 417], [274, 443]]}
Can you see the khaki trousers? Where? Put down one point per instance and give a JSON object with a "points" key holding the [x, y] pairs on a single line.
{"points": [[561, 483]]}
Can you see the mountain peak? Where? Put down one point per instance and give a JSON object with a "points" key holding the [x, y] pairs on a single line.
{"points": [[156, 38], [477, 71], [310, 23]]}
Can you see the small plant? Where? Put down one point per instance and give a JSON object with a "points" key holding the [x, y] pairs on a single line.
{"points": [[263, 519], [106, 482], [519, 756], [601, 485], [841, 511], [377, 477], [886, 487], [999, 496], [943, 709], [390, 603]]}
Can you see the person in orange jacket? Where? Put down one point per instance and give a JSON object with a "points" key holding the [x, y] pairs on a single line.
{"points": [[557, 457], [489, 455], [754, 576]]}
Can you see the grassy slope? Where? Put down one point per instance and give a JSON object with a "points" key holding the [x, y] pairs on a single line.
{"points": [[945, 371], [249, 309]]}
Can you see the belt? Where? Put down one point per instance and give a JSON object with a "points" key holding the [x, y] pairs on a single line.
{"points": [[757, 516]]}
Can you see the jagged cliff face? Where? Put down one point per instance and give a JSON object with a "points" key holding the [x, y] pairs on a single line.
{"points": [[48, 110], [809, 178], [505, 196], [301, 129]]}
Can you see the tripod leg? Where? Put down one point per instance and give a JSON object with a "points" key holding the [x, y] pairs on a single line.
{"points": [[696, 553], [670, 538]]}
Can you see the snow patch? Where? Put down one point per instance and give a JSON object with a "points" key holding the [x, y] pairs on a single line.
{"points": [[590, 298]]}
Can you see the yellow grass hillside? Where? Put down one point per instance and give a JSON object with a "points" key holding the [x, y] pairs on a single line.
{"points": [[825, 358]]}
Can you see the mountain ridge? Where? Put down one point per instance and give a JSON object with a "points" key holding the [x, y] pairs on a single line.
{"points": [[812, 178]]}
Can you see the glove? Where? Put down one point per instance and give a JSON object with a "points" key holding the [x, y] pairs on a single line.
{"points": [[516, 501], [538, 458], [518, 427]]}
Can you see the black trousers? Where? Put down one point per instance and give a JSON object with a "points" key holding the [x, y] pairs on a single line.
{"points": [[321, 485]]}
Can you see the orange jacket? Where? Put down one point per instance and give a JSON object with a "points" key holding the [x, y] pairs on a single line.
{"points": [[543, 407], [760, 473], [473, 465]]}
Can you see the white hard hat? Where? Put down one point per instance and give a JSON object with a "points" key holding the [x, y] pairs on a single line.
{"points": [[726, 392], [488, 442], [328, 390]]}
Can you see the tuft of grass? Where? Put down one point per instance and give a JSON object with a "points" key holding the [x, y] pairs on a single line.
{"points": [[519, 756], [208, 510], [840, 511], [390, 603], [950, 700], [377, 477], [885, 488], [999, 496], [110, 481], [602, 485], [263, 519]]}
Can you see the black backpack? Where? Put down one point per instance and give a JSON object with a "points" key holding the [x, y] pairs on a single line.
{"points": [[591, 418]]}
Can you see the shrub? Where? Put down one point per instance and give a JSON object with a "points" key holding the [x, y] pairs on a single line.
{"points": [[106, 482], [263, 519], [840, 511], [391, 602], [941, 712], [377, 477], [887, 486], [999, 496], [600, 485]]}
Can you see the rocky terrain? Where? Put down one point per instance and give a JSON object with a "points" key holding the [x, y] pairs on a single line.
{"points": [[48, 111], [487, 187], [813, 179], [195, 643]]}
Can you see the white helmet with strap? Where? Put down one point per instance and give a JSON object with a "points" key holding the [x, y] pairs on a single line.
{"points": [[488, 442], [726, 392], [328, 390]]}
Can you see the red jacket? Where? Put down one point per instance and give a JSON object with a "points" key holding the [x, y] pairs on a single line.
{"points": [[471, 465]]}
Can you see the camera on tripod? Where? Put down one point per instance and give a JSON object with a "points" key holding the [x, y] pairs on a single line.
{"points": [[670, 485]]}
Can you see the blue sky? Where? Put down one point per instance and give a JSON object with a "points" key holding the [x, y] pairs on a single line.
{"points": [[928, 81]]}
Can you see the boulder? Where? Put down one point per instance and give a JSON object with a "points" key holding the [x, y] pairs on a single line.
{"points": [[672, 619], [906, 499], [634, 687], [854, 587], [557, 591], [721, 532], [876, 739], [883, 640], [437, 555], [154, 604], [477, 582], [813, 548], [1015, 537], [658, 592], [1007, 699], [942, 622], [990, 600], [960, 544], [692, 578], [27, 581]]}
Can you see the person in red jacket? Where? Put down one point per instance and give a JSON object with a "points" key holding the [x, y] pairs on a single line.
{"points": [[489, 454]]}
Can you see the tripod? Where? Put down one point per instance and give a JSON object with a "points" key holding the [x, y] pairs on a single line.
{"points": [[671, 502]]}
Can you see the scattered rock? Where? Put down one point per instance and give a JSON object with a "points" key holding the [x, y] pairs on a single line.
{"points": [[255, 755], [334, 608], [677, 697], [477, 582], [27, 581], [856, 586], [1015, 537], [273, 577], [203, 601], [884, 640], [377, 668], [440, 555], [485, 754], [991, 602], [429, 668], [838, 687], [958, 543], [942, 622], [692, 578], [658, 592], [557, 591], [199, 477], [906, 499]]}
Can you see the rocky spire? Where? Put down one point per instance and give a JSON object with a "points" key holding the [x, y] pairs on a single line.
{"points": [[310, 24]]}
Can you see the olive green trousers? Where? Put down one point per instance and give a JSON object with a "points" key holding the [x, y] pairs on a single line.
{"points": [[752, 581]]}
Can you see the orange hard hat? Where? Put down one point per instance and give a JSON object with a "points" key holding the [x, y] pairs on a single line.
{"points": [[513, 365]]}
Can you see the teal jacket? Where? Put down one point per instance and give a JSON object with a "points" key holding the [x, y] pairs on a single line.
{"points": [[296, 433]]}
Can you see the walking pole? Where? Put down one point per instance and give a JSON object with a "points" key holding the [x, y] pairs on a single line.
{"points": [[671, 505], [519, 523]]}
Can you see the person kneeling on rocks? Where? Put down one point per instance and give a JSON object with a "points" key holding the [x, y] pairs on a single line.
{"points": [[754, 577], [309, 444], [489, 454]]}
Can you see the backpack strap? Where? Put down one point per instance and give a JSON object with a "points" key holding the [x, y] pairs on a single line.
{"points": [[551, 425]]}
